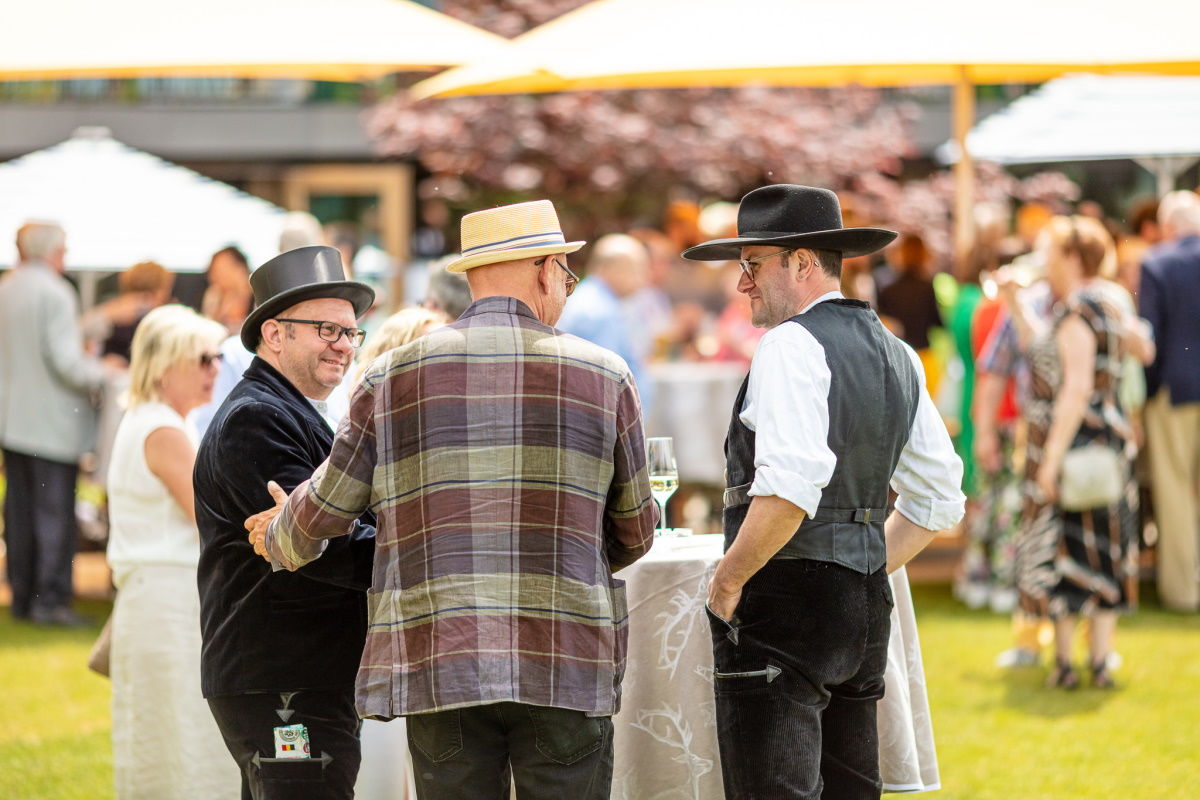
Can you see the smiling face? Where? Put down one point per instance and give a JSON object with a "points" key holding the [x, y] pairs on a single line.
{"points": [[314, 365]]}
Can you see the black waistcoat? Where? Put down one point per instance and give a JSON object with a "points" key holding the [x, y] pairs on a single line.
{"points": [[873, 394]]}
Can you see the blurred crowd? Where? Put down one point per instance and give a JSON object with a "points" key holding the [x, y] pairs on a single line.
{"points": [[1045, 336]]}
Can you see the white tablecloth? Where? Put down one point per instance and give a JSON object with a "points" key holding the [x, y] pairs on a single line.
{"points": [[666, 742], [692, 404]]}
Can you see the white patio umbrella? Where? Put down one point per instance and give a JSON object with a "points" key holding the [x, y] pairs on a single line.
{"points": [[610, 44], [340, 40], [1153, 120], [120, 206]]}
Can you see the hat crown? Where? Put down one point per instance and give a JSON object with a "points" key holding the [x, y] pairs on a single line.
{"points": [[787, 208], [303, 266], [513, 227]]}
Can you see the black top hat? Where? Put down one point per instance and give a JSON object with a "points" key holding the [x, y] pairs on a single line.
{"points": [[305, 273], [792, 216]]}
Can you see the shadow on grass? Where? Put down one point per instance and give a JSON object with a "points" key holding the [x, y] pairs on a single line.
{"points": [[26, 634], [1025, 690]]}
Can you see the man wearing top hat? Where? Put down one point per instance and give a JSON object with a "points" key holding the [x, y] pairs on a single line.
{"points": [[833, 413], [505, 460], [282, 648]]}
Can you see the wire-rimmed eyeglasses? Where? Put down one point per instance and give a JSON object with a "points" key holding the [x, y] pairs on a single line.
{"points": [[572, 278], [750, 265]]}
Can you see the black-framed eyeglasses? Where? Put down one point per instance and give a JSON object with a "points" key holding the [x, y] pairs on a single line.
{"points": [[208, 359], [572, 278], [750, 265], [331, 331]]}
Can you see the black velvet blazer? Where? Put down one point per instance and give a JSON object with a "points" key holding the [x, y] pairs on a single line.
{"points": [[268, 631]]}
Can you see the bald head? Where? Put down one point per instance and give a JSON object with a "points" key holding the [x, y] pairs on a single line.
{"points": [[620, 261]]}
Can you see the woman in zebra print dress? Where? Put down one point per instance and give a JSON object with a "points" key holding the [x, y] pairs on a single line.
{"points": [[1074, 564]]}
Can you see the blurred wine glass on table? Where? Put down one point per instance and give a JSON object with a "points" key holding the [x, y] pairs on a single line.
{"points": [[664, 475]]}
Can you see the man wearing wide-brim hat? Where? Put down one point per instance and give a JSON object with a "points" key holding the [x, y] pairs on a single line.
{"points": [[506, 463], [833, 412], [282, 648]]}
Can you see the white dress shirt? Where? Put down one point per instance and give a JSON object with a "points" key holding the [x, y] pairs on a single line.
{"points": [[787, 406]]}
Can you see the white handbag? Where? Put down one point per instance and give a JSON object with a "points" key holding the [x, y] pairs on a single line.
{"points": [[1093, 476]]}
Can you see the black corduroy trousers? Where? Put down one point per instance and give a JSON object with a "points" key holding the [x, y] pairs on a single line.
{"points": [[799, 670]]}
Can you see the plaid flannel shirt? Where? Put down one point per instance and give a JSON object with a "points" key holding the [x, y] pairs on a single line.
{"points": [[505, 463]]}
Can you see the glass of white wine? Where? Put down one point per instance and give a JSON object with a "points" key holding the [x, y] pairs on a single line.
{"points": [[664, 474]]}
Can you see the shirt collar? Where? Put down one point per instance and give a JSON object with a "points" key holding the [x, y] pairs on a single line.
{"points": [[501, 305], [834, 295]]}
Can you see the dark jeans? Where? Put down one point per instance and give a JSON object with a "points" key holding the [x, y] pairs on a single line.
{"points": [[798, 673], [248, 722], [40, 532], [554, 753]]}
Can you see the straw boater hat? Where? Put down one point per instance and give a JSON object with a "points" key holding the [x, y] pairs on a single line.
{"points": [[510, 233], [306, 273], [792, 216]]}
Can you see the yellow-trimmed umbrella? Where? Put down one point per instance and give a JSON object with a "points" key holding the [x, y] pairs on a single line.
{"points": [[629, 44], [338, 40]]}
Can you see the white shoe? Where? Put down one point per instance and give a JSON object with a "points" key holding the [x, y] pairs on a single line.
{"points": [[1017, 657]]}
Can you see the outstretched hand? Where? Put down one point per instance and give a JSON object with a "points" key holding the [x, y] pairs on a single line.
{"points": [[257, 524]]}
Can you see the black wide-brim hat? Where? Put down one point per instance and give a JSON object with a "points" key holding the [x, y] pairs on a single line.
{"points": [[792, 216], [306, 273]]}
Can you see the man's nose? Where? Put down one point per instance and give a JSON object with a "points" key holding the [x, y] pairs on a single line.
{"points": [[744, 283]]}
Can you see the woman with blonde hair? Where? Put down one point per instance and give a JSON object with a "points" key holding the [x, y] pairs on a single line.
{"points": [[165, 742], [1077, 555], [397, 330]]}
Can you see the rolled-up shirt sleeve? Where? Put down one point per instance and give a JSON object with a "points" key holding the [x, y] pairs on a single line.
{"points": [[787, 406], [928, 477]]}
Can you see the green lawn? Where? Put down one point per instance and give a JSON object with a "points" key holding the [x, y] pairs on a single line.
{"points": [[1000, 736]]}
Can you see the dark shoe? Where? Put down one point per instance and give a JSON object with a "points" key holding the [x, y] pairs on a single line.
{"points": [[1101, 678], [1064, 676], [61, 617]]}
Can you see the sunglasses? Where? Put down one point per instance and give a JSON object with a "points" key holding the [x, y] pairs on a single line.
{"points": [[208, 359]]}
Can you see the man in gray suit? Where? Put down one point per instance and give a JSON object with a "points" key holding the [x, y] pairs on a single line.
{"points": [[47, 419]]}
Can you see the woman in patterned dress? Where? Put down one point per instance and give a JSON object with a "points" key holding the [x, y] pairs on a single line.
{"points": [[1076, 564]]}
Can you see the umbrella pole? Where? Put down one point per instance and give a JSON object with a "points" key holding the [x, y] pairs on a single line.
{"points": [[964, 169]]}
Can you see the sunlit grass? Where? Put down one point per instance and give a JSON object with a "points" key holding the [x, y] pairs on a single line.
{"points": [[1000, 735]]}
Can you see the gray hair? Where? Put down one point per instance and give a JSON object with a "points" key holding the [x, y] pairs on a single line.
{"points": [[616, 250], [37, 241], [1180, 211], [447, 291]]}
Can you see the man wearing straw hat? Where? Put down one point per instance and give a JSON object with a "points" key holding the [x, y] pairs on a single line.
{"points": [[834, 410], [505, 462]]}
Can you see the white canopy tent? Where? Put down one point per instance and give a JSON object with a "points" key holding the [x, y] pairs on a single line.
{"points": [[1153, 120], [120, 206]]}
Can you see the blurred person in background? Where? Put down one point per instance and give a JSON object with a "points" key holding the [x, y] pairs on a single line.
{"points": [[1143, 234], [651, 304], [616, 269], [1077, 563], [143, 287], [396, 331], [447, 292], [48, 391], [907, 304], [228, 298], [165, 743], [300, 229], [1170, 286]]}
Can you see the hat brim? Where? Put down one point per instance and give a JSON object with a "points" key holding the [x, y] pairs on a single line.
{"points": [[464, 263], [849, 242], [360, 296]]}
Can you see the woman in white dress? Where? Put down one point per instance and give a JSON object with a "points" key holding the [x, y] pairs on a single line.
{"points": [[165, 742]]}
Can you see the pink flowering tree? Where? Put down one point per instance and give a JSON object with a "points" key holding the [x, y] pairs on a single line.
{"points": [[613, 159]]}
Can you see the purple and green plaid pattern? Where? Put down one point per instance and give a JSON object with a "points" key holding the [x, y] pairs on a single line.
{"points": [[505, 462]]}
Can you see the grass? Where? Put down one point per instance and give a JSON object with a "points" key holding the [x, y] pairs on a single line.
{"points": [[1000, 736]]}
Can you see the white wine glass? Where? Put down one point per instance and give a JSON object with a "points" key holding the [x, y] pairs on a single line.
{"points": [[664, 474]]}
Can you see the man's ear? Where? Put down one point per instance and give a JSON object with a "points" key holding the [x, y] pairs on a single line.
{"points": [[543, 275], [271, 334]]}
